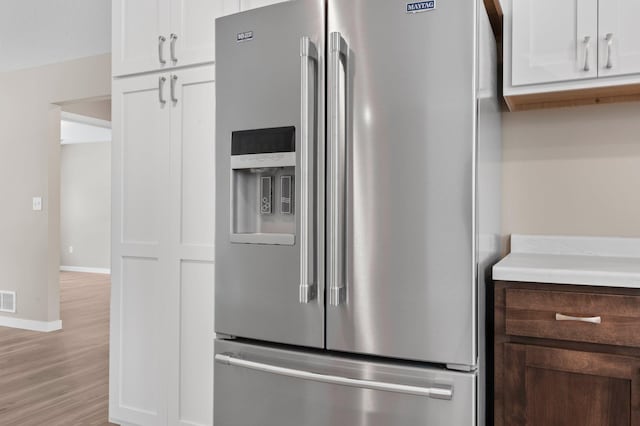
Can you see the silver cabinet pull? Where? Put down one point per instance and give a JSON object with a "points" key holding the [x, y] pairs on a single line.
{"points": [[587, 43], [336, 220], [174, 80], [438, 392], [172, 47], [307, 290], [609, 39], [161, 82], [592, 320], [161, 40]]}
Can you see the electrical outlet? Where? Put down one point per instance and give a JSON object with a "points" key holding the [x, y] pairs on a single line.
{"points": [[37, 204], [70, 249]]}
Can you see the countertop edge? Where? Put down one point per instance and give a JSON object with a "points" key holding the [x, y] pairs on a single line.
{"points": [[572, 261]]}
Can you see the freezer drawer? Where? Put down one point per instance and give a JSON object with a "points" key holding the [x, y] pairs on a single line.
{"points": [[268, 386]]}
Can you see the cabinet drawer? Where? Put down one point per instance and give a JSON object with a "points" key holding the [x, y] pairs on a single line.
{"points": [[615, 319]]}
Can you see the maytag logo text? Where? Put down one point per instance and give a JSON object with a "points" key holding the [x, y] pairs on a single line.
{"points": [[421, 6]]}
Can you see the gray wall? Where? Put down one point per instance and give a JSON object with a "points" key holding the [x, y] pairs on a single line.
{"points": [[85, 197], [96, 109], [572, 171], [29, 167]]}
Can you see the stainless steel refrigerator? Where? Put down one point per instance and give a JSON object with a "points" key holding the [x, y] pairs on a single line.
{"points": [[358, 196]]}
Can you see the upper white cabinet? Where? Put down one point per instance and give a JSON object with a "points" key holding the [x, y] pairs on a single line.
{"points": [[570, 52], [619, 37], [139, 36], [554, 40], [150, 35]]}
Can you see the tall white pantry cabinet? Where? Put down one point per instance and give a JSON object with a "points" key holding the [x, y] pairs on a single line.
{"points": [[163, 210]]}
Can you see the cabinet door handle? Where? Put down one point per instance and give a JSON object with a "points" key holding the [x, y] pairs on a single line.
{"points": [[161, 82], [172, 47], [592, 320], [587, 45], [609, 39], [174, 80], [161, 40]]}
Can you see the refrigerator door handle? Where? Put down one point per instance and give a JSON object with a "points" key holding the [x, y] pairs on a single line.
{"points": [[337, 288], [438, 392], [307, 291]]}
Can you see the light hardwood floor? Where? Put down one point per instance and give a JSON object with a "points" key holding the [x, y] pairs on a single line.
{"points": [[60, 378]]}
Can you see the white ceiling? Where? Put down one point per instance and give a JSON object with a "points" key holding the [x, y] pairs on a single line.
{"points": [[39, 32]]}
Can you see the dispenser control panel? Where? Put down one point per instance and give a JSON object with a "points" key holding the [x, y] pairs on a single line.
{"points": [[263, 169], [266, 193]]}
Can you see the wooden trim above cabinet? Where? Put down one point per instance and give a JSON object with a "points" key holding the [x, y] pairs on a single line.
{"points": [[568, 98], [494, 10]]}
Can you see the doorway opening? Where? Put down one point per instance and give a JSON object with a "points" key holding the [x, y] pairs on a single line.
{"points": [[85, 186]]}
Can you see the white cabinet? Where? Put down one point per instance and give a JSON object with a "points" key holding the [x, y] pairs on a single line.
{"points": [[151, 35], [139, 35], [554, 41], [140, 160], [161, 365], [162, 304], [572, 52], [191, 228], [619, 37]]}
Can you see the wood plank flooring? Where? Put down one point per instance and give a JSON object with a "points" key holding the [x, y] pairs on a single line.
{"points": [[60, 378]]}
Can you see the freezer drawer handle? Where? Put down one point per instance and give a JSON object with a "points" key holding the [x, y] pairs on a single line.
{"points": [[437, 392], [307, 290]]}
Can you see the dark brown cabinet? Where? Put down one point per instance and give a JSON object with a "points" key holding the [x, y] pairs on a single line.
{"points": [[566, 355]]}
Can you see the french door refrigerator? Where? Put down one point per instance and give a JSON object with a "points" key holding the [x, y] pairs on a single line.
{"points": [[358, 190]]}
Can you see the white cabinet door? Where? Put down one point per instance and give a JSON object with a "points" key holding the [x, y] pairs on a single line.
{"points": [[137, 28], [140, 162], [554, 40], [193, 22], [192, 211], [619, 37], [150, 35], [254, 4]]}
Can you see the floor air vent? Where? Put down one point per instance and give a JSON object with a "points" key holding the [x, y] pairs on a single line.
{"points": [[8, 301]]}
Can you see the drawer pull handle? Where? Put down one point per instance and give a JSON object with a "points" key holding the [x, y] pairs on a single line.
{"points": [[592, 320]]}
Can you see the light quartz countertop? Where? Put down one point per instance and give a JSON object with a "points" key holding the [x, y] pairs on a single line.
{"points": [[597, 261]]}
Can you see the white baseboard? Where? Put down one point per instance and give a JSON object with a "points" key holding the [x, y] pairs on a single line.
{"points": [[84, 269], [26, 324]]}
